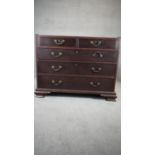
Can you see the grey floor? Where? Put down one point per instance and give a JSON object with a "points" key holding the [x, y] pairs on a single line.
{"points": [[77, 125]]}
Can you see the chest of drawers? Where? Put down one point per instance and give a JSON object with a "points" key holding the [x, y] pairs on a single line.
{"points": [[68, 64]]}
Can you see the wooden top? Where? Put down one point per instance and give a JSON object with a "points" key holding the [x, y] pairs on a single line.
{"points": [[88, 37]]}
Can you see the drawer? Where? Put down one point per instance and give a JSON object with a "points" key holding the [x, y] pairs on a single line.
{"points": [[97, 43], [82, 55], [52, 67], [76, 83], [57, 41]]}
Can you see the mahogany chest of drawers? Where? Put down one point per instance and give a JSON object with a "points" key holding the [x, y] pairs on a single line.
{"points": [[85, 65]]}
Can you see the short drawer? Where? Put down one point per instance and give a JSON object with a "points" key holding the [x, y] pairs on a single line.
{"points": [[57, 41], [76, 83], [97, 43], [77, 54], [76, 68]]}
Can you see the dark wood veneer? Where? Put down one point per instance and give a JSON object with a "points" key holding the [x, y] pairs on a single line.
{"points": [[76, 68], [79, 83], [97, 43], [51, 41], [77, 54], [69, 64]]}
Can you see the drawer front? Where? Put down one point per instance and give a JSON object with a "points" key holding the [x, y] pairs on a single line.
{"points": [[82, 55], [75, 83], [76, 68], [55, 54], [97, 43], [57, 41]]}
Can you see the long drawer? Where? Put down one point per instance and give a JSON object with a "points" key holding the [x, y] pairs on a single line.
{"points": [[76, 83], [82, 55], [76, 68], [57, 41]]}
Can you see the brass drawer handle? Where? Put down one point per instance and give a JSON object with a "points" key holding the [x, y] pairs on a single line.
{"points": [[96, 43], [96, 70], [59, 41], [56, 54], [95, 84], [98, 54], [56, 68], [56, 83]]}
